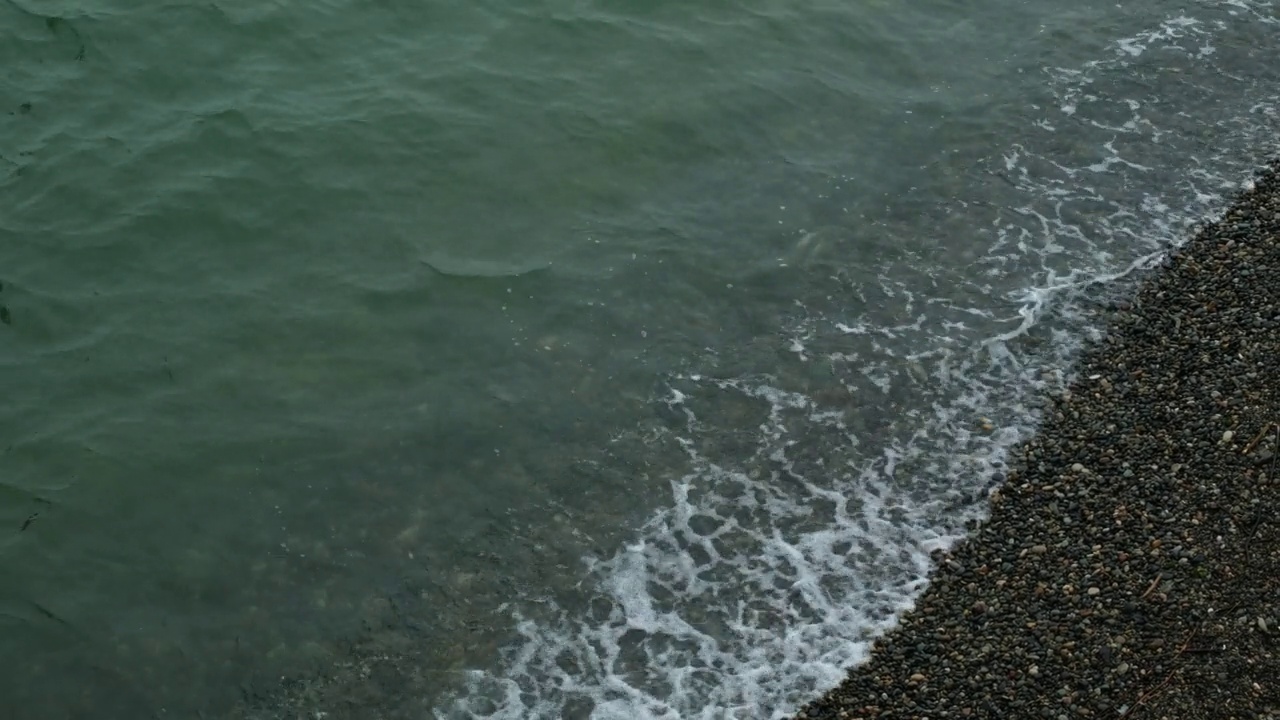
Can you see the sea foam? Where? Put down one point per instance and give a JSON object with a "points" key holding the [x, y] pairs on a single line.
{"points": [[776, 564]]}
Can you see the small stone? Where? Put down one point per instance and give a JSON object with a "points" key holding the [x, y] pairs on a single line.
{"points": [[1161, 513]]}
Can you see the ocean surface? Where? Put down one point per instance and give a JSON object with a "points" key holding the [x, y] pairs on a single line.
{"points": [[562, 359]]}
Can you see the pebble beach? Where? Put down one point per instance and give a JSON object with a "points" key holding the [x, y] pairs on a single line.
{"points": [[1130, 565]]}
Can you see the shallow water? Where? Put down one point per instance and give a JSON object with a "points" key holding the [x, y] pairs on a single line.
{"points": [[554, 360]]}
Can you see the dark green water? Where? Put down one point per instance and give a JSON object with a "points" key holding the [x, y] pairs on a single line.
{"points": [[340, 338]]}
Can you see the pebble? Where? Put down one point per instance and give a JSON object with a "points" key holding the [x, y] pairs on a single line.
{"points": [[1112, 591]]}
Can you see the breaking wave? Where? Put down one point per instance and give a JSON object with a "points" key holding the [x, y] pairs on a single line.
{"points": [[821, 487]]}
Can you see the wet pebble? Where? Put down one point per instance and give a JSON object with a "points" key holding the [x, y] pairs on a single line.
{"points": [[1131, 562]]}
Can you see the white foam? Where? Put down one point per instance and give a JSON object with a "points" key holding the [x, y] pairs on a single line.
{"points": [[771, 571]]}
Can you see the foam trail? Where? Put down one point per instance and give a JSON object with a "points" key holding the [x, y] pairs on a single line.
{"points": [[782, 557]]}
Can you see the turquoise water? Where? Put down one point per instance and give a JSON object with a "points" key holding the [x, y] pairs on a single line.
{"points": [[563, 359]]}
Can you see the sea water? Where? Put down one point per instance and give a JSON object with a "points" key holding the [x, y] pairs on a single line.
{"points": [[562, 359]]}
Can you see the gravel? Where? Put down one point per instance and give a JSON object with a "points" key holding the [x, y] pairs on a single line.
{"points": [[1131, 564]]}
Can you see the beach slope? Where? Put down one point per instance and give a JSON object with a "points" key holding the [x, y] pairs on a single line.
{"points": [[1130, 567]]}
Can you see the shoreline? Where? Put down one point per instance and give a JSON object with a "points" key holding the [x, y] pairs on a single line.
{"points": [[1130, 565]]}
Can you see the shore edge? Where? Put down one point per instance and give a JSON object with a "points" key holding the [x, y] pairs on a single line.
{"points": [[1130, 567]]}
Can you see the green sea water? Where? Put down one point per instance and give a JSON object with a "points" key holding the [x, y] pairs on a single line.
{"points": [[332, 329]]}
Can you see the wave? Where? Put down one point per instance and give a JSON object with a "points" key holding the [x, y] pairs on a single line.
{"points": [[821, 487]]}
